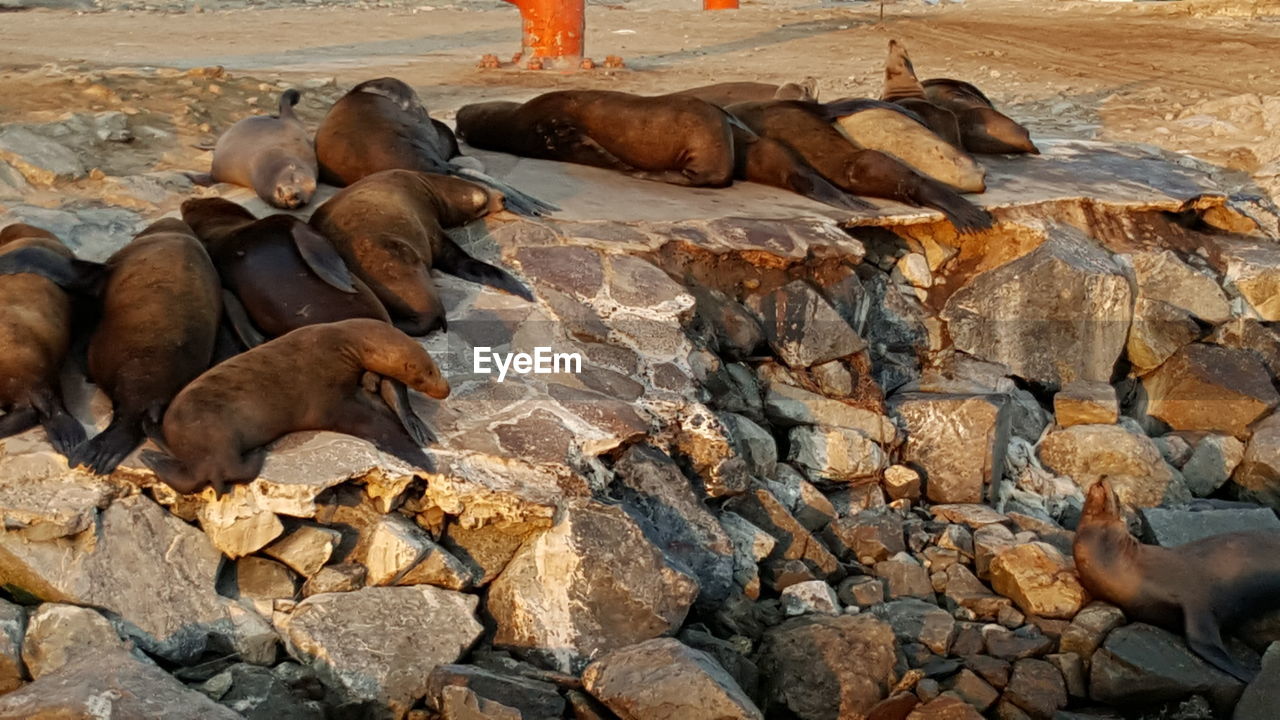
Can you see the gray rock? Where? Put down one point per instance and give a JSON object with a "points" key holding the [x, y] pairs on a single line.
{"points": [[530, 699], [973, 689], [1140, 665], [802, 327], [788, 405], [861, 591], [737, 332], [305, 549], [966, 591], [945, 707], [1261, 698], [13, 624], [812, 596], [835, 454], [820, 667], [257, 693], [343, 577], [1258, 475], [917, 621], [664, 678], [386, 659], [1211, 388], [1037, 688], [40, 159], [1057, 314], [1026, 641], [867, 537], [1212, 461], [956, 441], [1170, 528], [751, 545], [136, 689], [1089, 628], [590, 584], [1131, 461], [755, 443], [794, 541], [57, 634]]}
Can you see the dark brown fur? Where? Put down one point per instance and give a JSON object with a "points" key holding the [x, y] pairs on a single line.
{"points": [[983, 129], [729, 93]]}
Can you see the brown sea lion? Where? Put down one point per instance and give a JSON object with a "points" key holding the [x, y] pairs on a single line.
{"points": [[159, 323], [389, 228], [804, 128], [216, 429], [768, 162], [281, 274], [676, 139], [728, 93], [983, 129], [35, 334], [271, 154], [1200, 588], [381, 124], [901, 86]]}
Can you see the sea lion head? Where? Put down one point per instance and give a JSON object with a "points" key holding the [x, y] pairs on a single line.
{"points": [[294, 187], [214, 218], [1101, 504], [997, 133], [392, 89]]}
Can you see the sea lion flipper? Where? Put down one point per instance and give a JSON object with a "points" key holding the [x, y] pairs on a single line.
{"points": [[19, 419], [455, 261], [379, 425], [68, 273], [240, 322], [1205, 639], [104, 452], [320, 256], [396, 395], [288, 99], [966, 216], [64, 431], [514, 200]]}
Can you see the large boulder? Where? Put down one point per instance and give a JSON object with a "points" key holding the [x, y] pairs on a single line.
{"points": [[1039, 579], [1210, 388], [802, 327], [1262, 696], [826, 668], [1139, 666], [590, 584], [956, 441], [1059, 313], [1258, 474], [836, 454], [1139, 473], [1170, 528], [663, 678], [1163, 277], [259, 693], [794, 542], [385, 659], [1253, 268], [528, 699], [57, 634]]}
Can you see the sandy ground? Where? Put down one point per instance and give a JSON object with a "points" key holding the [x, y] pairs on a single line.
{"points": [[1124, 71]]}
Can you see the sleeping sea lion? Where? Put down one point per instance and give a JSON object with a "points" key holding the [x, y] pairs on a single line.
{"points": [[804, 128], [35, 332], [983, 129], [1200, 588], [389, 228], [381, 124], [729, 93], [158, 327], [281, 274], [271, 154], [897, 131], [676, 139], [216, 429]]}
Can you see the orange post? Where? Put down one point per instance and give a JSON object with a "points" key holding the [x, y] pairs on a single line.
{"points": [[553, 31], [719, 4]]}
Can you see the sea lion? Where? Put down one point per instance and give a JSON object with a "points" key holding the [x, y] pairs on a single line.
{"points": [[983, 129], [389, 228], [1201, 587], [271, 154], [677, 139], [768, 162], [897, 131], [158, 328], [729, 93], [902, 87], [35, 332], [804, 128], [216, 429], [381, 124], [281, 274]]}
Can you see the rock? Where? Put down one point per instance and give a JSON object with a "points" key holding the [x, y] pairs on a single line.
{"points": [[1037, 687], [257, 693], [1171, 528], [737, 331], [1039, 580], [94, 684], [787, 405], [1141, 665], [904, 577], [40, 500], [343, 577], [1249, 334], [835, 454], [1212, 461], [1083, 402], [1026, 641], [590, 584], [945, 707], [151, 571], [917, 621], [794, 542], [1057, 314], [13, 626], [1137, 470], [1163, 277], [970, 515], [1089, 628], [813, 596], [1073, 672], [238, 524], [386, 659], [40, 159], [988, 542], [956, 441], [1158, 331], [1210, 388], [966, 591], [1261, 698], [861, 591], [802, 327], [820, 667], [973, 690], [305, 549], [1258, 475], [751, 545], [531, 699], [833, 378], [705, 444], [901, 483], [753, 442], [262, 579], [1254, 270], [993, 671], [664, 678], [868, 537], [57, 634]]}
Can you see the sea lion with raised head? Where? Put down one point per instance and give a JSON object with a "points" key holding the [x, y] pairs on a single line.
{"points": [[216, 430], [983, 129], [390, 230], [158, 328], [271, 154], [381, 124], [35, 332], [677, 139], [805, 129], [1200, 588], [902, 87]]}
